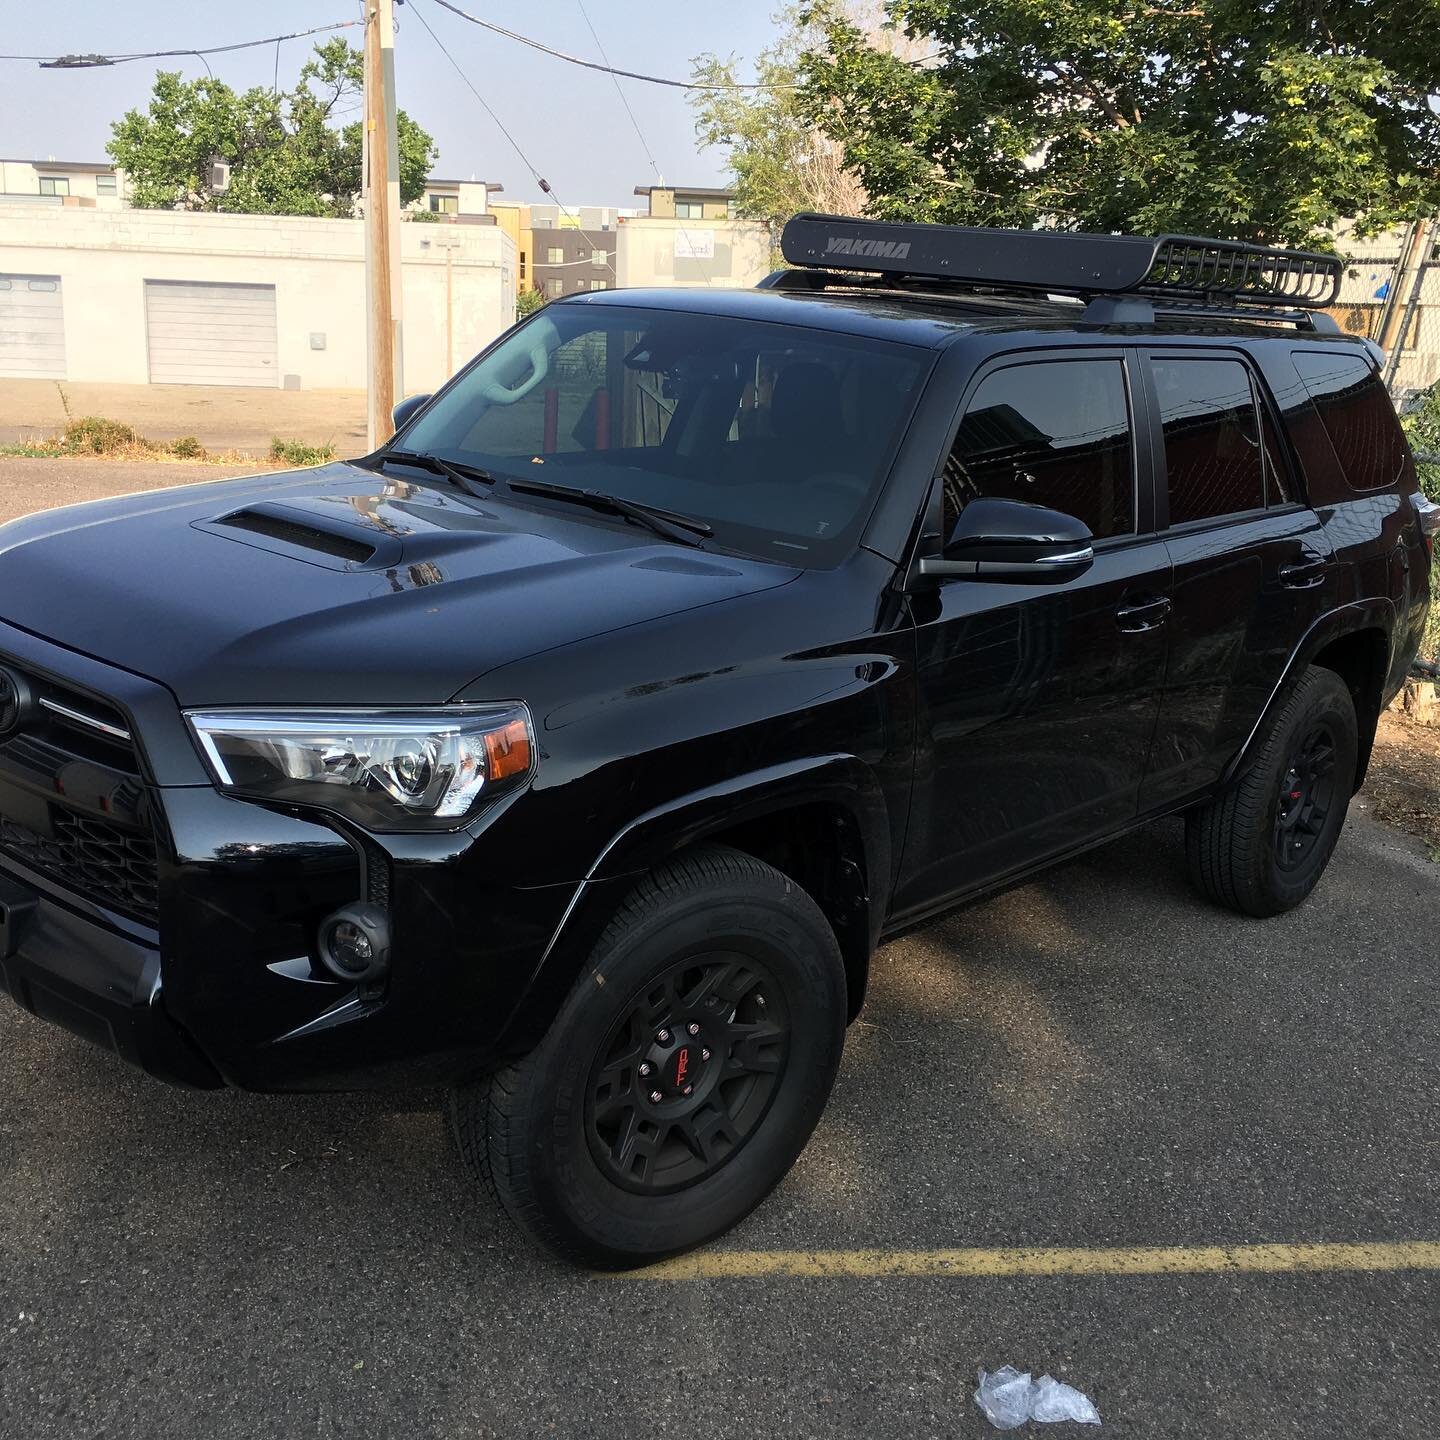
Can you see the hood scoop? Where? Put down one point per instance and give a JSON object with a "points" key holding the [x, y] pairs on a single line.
{"points": [[301, 533]]}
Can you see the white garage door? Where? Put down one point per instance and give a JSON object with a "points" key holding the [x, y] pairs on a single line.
{"points": [[32, 327], [202, 334]]}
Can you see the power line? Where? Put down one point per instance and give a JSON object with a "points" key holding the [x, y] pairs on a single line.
{"points": [[607, 68], [525, 160], [83, 62], [615, 80], [640, 134]]}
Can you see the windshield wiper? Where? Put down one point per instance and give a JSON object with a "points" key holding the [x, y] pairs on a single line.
{"points": [[467, 477], [665, 523]]}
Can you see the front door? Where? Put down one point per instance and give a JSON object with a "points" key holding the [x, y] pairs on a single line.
{"points": [[1038, 701]]}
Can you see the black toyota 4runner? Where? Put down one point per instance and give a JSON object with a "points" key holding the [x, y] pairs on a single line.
{"points": [[577, 748]]}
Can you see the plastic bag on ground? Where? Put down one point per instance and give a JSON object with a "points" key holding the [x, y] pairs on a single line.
{"points": [[1009, 1397], [1004, 1397], [1052, 1399]]}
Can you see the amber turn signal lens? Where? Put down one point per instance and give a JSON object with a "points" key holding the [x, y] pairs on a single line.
{"points": [[507, 750]]}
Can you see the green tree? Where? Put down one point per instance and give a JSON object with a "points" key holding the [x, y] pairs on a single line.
{"points": [[780, 161], [287, 155], [1255, 119]]}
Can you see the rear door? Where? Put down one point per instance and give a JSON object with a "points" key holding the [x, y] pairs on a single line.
{"points": [[1253, 569], [1037, 700]]}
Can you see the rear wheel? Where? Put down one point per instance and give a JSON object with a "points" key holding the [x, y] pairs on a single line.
{"points": [[1261, 846], [682, 1076]]}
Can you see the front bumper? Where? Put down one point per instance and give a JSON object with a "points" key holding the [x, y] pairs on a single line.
{"points": [[212, 976], [97, 983]]}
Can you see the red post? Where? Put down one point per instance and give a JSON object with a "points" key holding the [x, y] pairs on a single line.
{"points": [[552, 420]]}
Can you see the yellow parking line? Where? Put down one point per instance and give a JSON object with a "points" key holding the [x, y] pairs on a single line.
{"points": [[968, 1264]]}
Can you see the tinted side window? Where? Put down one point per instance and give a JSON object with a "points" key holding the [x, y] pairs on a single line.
{"points": [[1054, 433], [1213, 453], [1358, 416]]}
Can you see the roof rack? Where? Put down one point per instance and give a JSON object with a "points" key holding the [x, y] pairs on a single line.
{"points": [[1187, 273]]}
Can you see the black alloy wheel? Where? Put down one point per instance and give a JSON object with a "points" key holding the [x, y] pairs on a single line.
{"points": [[687, 1073], [1307, 796]]}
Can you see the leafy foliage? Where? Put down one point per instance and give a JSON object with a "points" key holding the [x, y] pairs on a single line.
{"points": [[1422, 427], [287, 155], [1257, 119], [780, 161], [527, 302]]}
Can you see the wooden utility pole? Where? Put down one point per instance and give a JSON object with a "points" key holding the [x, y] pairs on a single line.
{"points": [[383, 331]]}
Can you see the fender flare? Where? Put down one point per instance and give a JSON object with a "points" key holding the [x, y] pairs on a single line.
{"points": [[1376, 613], [840, 780]]}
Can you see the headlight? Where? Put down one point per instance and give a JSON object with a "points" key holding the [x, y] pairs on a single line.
{"points": [[385, 769]]}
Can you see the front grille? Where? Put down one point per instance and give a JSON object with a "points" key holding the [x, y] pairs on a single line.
{"points": [[72, 797], [99, 860]]}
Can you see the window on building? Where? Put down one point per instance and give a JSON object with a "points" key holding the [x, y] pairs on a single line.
{"points": [[554, 288], [444, 204], [597, 285], [598, 257], [555, 255], [106, 185], [54, 184], [1214, 455], [689, 210], [1358, 416], [729, 209], [1056, 433], [522, 264]]}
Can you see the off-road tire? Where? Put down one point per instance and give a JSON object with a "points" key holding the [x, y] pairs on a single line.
{"points": [[1231, 842], [525, 1131]]}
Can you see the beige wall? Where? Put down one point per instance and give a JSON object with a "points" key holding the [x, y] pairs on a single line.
{"points": [[317, 267], [654, 251]]}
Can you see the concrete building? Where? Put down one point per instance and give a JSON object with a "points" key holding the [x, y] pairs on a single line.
{"points": [[569, 261], [729, 254], [460, 199], [513, 217], [176, 297], [79, 183], [688, 202]]}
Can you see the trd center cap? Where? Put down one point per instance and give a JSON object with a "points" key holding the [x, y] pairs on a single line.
{"points": [[679, 1065], [682, 1068]]}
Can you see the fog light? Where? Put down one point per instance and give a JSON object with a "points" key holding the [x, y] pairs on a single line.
{"points": [[355, 942]]}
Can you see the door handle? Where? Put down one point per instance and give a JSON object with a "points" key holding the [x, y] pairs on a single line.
{"points": [[1143, 615], [1304, 575]]}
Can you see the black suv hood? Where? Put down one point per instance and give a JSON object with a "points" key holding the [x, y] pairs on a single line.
{"points": [[339, 585]]}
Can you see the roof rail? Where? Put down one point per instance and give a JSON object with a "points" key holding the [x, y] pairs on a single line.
{"points": [[1204, 272]]}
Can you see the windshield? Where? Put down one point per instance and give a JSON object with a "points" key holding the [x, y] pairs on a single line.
{"points": [[776, 436]]}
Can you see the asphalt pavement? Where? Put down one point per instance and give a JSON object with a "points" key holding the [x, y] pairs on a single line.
{"points": [[1098, 1059]]}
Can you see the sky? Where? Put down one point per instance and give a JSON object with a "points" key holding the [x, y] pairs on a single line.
{"points": [[569, 121]]}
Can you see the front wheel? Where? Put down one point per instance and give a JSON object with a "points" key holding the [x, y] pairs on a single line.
{"points": [[1261, 846], [683, 1075]]}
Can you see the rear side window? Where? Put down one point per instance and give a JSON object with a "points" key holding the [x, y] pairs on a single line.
{"points": [[1358, 416], [1216, 451], [1054, 433]]}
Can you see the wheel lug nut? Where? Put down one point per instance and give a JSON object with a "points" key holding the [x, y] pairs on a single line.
{"points": [[693, 1028], [656, 1097], [645, 1067], [662, 1036], [688, 1090], [704, 1053]]}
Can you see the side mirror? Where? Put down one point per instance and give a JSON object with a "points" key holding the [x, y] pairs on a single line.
{"points": [[406, 408], [1010, 540]]}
